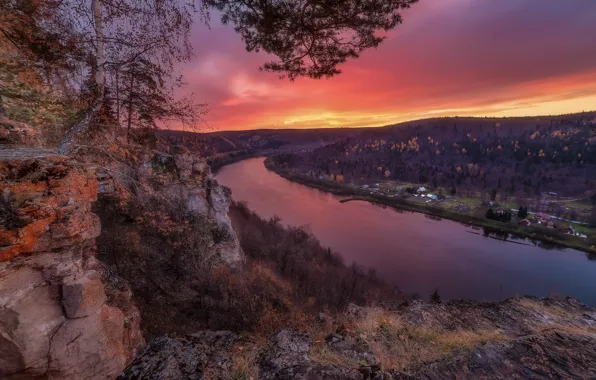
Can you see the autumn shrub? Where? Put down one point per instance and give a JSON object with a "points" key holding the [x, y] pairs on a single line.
{"points": [[181, 286], [320, 279]]}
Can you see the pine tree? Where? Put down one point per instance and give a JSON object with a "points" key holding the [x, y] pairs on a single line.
{"points": [[435, 297]]}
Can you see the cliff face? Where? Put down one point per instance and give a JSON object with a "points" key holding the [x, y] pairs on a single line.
{"points": [[203, 197], [62, 314], [165, 228], [184, 184]]}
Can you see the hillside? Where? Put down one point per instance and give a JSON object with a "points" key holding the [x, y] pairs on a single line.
{"points": [[221, 148], [517, 156], [121, 256], [168, 265]]}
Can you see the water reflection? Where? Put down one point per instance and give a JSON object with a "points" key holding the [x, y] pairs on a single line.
{"points": [[415, 252]]}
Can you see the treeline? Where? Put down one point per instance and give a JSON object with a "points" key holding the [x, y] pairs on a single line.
{"points": [[220, 146], [519, 157], [316, 273], [503, 216]]}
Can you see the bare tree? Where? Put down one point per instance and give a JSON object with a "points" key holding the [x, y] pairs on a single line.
{"points": [[100, 77], [112, 37]]}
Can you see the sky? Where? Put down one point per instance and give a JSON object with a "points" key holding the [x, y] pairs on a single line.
{"points": [[448, 58]]}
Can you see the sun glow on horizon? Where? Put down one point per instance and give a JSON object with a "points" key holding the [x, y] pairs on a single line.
{"points": [[449, 58], [327, 119]]}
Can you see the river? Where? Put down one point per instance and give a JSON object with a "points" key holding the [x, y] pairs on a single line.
{"points": [[412, 251]]}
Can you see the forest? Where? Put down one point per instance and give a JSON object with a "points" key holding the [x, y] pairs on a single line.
{"points": [[225, 147], [519, 157]]}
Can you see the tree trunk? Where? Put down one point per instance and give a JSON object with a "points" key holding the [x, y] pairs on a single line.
{"points": [[118, 97], [65, 146], [130, 96], [2, 110], [100, 57]]}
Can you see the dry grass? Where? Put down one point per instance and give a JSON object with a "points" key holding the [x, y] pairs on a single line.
{"points": [[541, 308], [245, 356], [320, 353], [400, 345], [555, 318], [572, 329]]}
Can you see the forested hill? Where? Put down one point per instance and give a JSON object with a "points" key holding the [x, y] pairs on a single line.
{"points": [[222, 148], [209, 144], [519, 156]]}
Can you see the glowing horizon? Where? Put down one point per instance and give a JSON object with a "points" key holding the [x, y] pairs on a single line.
{"points": [[449, 58]]}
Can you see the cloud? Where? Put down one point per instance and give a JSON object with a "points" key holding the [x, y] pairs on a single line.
{"points": [[246, 89], [450, 57]]}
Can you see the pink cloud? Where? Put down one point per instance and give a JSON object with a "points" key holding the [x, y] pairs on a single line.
{"points": [[449, 56]]}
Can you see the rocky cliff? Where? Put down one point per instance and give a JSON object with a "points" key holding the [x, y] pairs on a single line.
{"points": [[517, 338], [180, 183], [165, 230], [62, 314], [196, 189]]}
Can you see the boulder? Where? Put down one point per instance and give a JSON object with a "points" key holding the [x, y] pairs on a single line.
{"points": [[55, 320], [207, 355], [30, 314], [355, 312], [287, 357], [89, 347], [287, 349], [83, 296], [354, 349], [203, 355]]}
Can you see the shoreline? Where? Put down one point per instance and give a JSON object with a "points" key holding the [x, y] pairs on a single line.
{"points": [[546, 235]]}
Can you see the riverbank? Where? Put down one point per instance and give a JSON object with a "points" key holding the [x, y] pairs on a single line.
{"points": [[546, 235]]}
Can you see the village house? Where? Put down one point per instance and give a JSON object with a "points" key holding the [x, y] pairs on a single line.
{"points": [[524, 222], [542, 205], [499, 211], [568, 230], [542, 218]]}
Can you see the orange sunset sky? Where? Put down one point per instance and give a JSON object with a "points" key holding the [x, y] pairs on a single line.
{"points": [[448, 58]]}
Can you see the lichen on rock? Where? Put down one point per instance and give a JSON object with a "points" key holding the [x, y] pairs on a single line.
{"points": [[55, 321]]}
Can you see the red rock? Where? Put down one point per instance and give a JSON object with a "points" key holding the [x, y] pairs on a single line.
{"points": [[46, 195], [15, 133], [83, 296], [55, 321]]}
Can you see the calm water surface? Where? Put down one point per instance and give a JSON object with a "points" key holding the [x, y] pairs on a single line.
{"points": [[412, 251]]}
